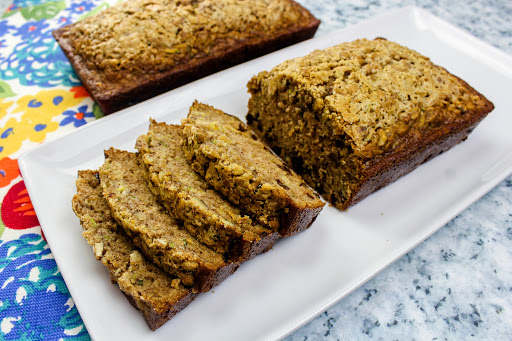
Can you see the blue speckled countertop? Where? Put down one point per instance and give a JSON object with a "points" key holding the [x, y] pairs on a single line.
{"points": [[457, 285]]}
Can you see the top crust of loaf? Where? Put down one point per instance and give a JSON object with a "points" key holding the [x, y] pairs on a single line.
{"points": [[141, 48], [375, 93]]}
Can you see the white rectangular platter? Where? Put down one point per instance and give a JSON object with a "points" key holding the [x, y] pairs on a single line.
{"points": [[302, 276]]}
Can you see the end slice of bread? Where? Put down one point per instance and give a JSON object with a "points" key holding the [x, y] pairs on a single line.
{"points": [[156, 294]]}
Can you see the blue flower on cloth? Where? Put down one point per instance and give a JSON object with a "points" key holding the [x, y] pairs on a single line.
{"points": [[77, 117], [82, 7], [6, 29], [35, 303], [31, 29], [37, 59]]}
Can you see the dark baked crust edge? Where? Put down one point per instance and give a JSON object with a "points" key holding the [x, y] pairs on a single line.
{"points": [[386, 169], [244, 250], [115, 100], [155, 319], [298, 220]]}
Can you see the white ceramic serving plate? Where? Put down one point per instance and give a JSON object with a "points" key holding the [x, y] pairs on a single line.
{"points": [[301, 276]]}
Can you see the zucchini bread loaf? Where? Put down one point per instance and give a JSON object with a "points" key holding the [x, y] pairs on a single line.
{"points": [[206, 215], [155, 293], [236, 163], [161, 237], [140, 48], [353, 118]]}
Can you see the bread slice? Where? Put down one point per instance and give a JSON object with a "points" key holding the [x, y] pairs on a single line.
{"points": [[141, 48], [158, 295], [161, 238], [206, 215], [355, 117], [236, 163]]}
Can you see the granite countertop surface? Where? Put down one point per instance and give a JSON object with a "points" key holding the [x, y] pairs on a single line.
{"points": [[456, 285]]}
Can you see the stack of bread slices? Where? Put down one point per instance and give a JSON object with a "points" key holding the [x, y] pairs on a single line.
{"points": [[181, 214]]}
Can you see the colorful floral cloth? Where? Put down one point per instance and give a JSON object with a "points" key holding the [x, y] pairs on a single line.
{"points": [[40, 98]]}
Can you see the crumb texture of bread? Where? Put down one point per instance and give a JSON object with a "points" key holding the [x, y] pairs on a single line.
{"points": [[239, 165], [160, 237], [138, 43], [155, 293], [354, 117], [206, 214]]}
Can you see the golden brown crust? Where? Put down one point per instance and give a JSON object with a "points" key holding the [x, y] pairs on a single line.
{"points": [[414, 151], [202, 47]]}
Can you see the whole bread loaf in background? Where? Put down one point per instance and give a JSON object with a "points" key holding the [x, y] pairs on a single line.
{"points": [[355, 117], [141, 48]]}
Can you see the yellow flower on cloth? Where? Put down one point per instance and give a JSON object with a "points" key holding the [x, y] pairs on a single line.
{"points": [[4, 106], [34, 116]]}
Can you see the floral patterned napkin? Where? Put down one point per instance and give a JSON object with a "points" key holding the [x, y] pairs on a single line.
{"points": [[40, 98]]}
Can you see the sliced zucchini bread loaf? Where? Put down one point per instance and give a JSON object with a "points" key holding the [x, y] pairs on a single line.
{"points": [[236, 163], [161, 237], [355, 117], [158, 295], [206, 215]]}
